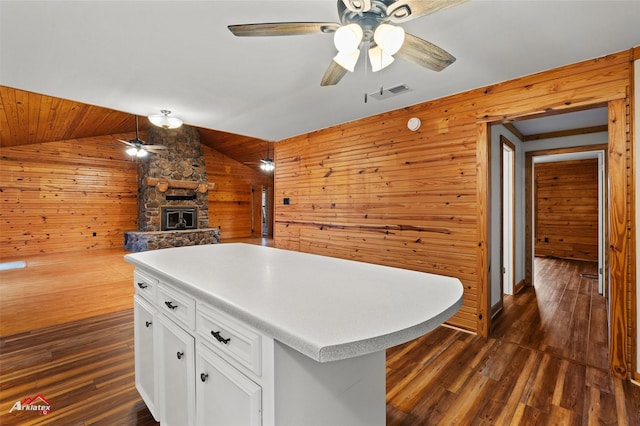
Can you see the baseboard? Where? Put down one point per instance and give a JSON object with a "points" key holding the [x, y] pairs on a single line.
{"points": [[522, 284], [495, 309]]}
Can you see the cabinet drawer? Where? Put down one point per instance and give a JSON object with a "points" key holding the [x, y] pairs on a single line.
{"points": [[232, 340], [145, 285], [177, 305]]}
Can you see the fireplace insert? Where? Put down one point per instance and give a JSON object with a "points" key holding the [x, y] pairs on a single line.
{"points": [[178, 218]]}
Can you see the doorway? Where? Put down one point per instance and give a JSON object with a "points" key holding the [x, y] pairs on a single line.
{"points": [[266, 212], [617, 220], [580, 232], [567, 237]]}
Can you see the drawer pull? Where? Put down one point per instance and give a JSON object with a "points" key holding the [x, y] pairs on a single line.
{"points": [[204, 377], [179, 355], [143, 285], [219, 338], [171, 306], [147, 323]]}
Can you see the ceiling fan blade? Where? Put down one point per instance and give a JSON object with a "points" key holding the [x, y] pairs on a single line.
{"points": [[333, 74], [283, 28], [125, 142], [405, 10], [357, 5], [425, 54], [154, 147]]}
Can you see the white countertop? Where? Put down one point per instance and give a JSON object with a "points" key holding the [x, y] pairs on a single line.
{"points": [[326, 308]]}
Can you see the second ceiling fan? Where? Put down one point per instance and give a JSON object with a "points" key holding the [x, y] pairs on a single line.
{"points": [[137, 147], [371, 23]]}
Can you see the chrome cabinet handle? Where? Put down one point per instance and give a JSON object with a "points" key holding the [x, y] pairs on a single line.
{"points": [[219, 338], [148, 323], [179, 355], [204, 377], [171, 306]]}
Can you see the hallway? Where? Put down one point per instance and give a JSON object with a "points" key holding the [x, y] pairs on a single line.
{"points": [[563, 315]]}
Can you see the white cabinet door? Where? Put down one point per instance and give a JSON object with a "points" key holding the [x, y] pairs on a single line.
{"points": [[143, 320], [177, 374], [225, 396]]}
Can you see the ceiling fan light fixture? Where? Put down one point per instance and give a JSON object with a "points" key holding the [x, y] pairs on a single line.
{"points": [[141, 153], [379, 59], [348, 37], [347, 60], [267, 166], [164, 120], [390, 38], [133, 151]]}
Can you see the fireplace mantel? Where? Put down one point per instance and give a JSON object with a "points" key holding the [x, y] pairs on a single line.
{"points": [[163, 185]]}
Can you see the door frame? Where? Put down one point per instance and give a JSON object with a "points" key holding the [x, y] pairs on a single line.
{"points": [[619, 243], [567, 154], [511, 206]]}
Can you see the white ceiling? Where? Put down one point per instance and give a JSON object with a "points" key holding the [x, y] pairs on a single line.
{"points": [[143, 56]]}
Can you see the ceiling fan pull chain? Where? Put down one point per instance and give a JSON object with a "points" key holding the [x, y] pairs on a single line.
{"points": [[366, 50]]}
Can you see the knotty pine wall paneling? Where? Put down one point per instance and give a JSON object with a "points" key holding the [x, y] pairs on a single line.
{"points": [[566, 213], [232, 200], [72, 195], [372, 190], [56, 195]]}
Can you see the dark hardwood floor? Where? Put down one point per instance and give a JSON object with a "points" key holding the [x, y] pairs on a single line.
{"points": [[84, 369], [545, 363]]}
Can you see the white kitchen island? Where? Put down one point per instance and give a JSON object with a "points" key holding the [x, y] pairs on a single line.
{"points": [[235, 334]]}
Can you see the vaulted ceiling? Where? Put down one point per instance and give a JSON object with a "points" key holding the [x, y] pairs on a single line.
{"points": [[98, 63], [28, 118]]}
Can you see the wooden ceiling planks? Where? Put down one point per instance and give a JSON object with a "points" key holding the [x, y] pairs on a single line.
{"points": [[244, 149], [30, 118]]}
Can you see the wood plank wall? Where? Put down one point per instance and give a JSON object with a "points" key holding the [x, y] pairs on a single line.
{"points": [[238, 190], [56, 195], [374, 191], [566, 209]]}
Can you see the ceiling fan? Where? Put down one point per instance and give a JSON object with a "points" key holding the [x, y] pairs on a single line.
{"points": [[266, 164], [368, 23], [137, 147]]}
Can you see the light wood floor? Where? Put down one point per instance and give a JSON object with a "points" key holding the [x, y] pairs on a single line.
{"points": [[55, 289], [66, 337]]}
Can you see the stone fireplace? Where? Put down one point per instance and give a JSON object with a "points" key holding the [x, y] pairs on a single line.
{"points": [[172, 194]]}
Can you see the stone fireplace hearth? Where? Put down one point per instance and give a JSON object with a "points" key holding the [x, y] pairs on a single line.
{"points": [[175, 181]]}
